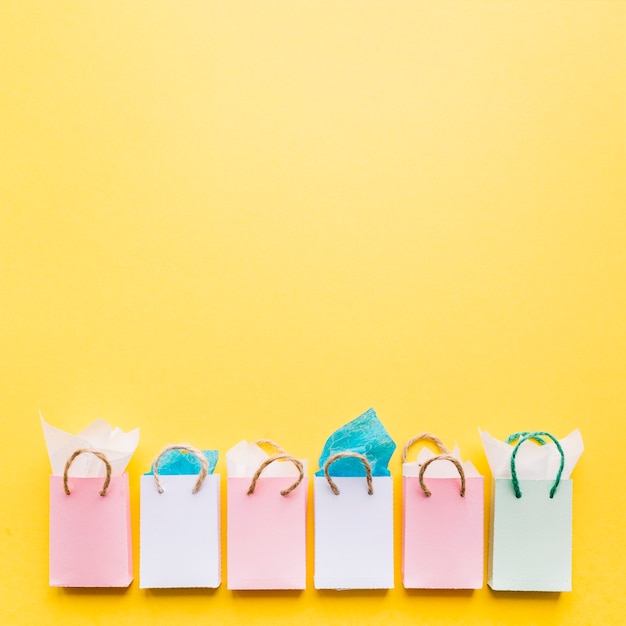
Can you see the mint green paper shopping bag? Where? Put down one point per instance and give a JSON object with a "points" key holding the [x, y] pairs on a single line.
{"points": [[530, 543]]}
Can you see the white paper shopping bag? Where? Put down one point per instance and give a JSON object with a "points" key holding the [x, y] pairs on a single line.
{"points": [[180, 527], [530, 547], [353, 529]]}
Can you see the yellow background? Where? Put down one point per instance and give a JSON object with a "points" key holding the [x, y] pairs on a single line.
{"points": [[225, 219]]}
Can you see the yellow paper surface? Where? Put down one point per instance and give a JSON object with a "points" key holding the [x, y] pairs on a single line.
{"points": [[225, 220]]}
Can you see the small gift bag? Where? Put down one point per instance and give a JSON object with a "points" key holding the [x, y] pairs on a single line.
{"points": [[530, 547], [266, 519], [354, 508], [442, 520], [180, 520], [353, 529], [90, 535]]}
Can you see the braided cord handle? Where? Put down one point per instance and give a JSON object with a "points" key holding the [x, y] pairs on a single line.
{"points": [[526, 437]]}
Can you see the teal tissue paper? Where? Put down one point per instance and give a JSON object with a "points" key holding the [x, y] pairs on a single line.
{"points": [[365, 435], [178, 462]]}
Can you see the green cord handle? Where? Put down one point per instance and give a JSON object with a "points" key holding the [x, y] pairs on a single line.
{"points": [[514, 436], [524, 437]]}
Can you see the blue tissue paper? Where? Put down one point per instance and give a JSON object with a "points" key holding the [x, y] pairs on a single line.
{"points": [[365, 435], [179, 462]]}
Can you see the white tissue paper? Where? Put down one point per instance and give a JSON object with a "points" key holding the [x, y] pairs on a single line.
{"points": [[439, 469], [117, 445], [532, 461], [244, 459]]}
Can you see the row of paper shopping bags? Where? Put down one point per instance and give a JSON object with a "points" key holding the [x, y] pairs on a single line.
{"points": [[530, 530]]}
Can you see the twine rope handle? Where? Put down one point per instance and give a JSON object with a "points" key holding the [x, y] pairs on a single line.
{"points": [[526, 437], [269, 442], [278, 457], [442, 457], [185, 447], [77, 453], [427, 437], [346, 455]]}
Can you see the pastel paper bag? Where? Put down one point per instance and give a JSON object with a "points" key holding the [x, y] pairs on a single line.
{"points": [[266, 515], [442, 523], [530, 547], [180, 527], [353, 530], [90, 532], [442, 530]]}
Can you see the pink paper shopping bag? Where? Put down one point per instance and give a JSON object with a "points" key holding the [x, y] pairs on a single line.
{"points": [[442, 521], [266, 521], [90, 534]]}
